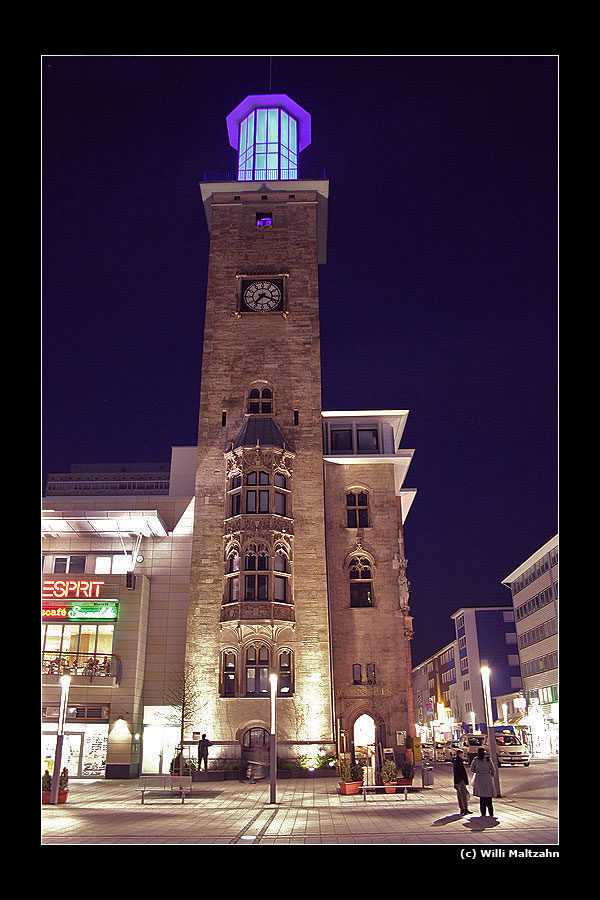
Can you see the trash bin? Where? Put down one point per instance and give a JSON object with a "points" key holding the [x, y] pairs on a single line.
{"points": [[427, 775]]}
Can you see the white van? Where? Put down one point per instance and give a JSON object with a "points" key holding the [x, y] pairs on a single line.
{"points": [[511, 752], [470, 744]]}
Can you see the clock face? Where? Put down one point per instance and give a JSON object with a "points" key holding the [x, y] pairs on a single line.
{"points": [[262, 296]]}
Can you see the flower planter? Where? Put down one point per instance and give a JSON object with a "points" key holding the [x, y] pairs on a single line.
{"points": [[404, 781], [350, 787], [390, 787], [62, 796]]}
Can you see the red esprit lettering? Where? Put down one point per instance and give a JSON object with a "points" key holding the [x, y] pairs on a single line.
{"points": [[58, 590]]}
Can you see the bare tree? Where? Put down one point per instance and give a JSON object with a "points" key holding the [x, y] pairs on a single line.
{"points": [[183, 695]]}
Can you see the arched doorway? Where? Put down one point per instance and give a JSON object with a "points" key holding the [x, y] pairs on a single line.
{"points": [[363, 740]]}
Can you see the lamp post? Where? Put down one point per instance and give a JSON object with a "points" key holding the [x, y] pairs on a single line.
{"points": [[485, 679], [65, 682], [273, 742]]}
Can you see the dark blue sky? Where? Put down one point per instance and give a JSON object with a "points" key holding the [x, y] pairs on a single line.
{"points": [[439, 295]]}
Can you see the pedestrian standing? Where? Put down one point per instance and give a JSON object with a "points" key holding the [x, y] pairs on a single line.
{"points": [[461, 780], [483, 782], [203, 745]]}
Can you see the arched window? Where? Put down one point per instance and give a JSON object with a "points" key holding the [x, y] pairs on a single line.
{"points": [[285, 673], [361, 582], [255, 737], [260, 400], [356, 673], [282, 588], [232, 575], [256, 569], [257, 670], [228, 663], [357, 508]]}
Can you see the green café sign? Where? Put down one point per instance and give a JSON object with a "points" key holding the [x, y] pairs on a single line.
{"points": [[106, 611]]}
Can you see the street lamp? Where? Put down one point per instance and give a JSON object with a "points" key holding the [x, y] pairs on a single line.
{"points": [[65, 683], [273, 742], [485, 679]]}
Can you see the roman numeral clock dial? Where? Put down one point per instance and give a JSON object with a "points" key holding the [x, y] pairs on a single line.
{"points": [[262, 296]]}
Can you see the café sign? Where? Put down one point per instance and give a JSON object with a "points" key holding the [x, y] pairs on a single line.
{"points": [[80, 612]]}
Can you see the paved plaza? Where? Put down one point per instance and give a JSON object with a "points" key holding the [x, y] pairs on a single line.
{"points": [[307, 811]]}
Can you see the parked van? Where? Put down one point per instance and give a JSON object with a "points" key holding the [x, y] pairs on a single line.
{"points": [[470, 744], [511, 752]]}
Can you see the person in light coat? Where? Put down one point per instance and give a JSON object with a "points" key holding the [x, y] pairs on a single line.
{"points": [[483, 782]]}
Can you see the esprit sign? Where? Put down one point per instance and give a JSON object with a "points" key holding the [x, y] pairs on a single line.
{"points": [[80, 612], [65, 590]]}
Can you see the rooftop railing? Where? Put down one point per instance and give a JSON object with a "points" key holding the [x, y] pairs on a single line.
{"points": [[312, 173]]}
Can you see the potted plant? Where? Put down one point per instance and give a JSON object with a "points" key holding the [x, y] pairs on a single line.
{"points": [[351, 777], [388, 776], [407, 773], [63, 786]]}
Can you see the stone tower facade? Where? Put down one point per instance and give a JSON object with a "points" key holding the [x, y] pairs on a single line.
{"points": [[287, 574], [258, 596]]}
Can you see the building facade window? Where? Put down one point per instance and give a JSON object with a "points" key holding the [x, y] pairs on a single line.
{"points": [[260, 400], [361, 582], [71, 564], [229, 658], [257, 671], [285, 672], [357, 509]]}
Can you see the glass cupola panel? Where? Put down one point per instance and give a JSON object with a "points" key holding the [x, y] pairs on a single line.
{"points": [[268, 146]]}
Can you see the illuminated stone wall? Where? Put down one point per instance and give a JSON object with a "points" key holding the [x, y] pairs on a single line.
{"points": [[285, 352]]}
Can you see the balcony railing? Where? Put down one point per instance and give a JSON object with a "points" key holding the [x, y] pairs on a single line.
{"points": [[312, 173], [105, 665]]}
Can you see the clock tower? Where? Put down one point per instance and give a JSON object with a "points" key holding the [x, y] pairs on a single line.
{"points": [[258, 594]]}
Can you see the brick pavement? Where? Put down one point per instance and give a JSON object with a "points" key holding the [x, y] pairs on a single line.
{"points": [[307, 811]]}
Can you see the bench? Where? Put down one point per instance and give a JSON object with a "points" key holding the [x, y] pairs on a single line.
{"points": [[163, 783], [400, 788]]}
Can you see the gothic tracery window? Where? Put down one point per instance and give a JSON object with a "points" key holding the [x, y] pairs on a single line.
{"points": [[361, 582]]}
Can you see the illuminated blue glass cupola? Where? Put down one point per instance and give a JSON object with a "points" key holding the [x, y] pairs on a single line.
{"points": [[268, 131]]}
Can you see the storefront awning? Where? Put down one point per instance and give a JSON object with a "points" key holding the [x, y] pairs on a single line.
{"points": [[103, 523]]}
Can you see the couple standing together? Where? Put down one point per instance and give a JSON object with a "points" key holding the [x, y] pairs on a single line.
{"points": [[483, 782]]}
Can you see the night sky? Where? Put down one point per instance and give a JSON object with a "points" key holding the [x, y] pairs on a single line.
{"points": [[439, 294]]}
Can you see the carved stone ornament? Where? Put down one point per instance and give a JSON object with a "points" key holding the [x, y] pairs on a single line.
{"points": [[271, 459]]}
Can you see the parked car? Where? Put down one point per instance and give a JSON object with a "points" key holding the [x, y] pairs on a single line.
{"points": [[450, 748], [511, 752], [470, 744], [427, 750]]}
